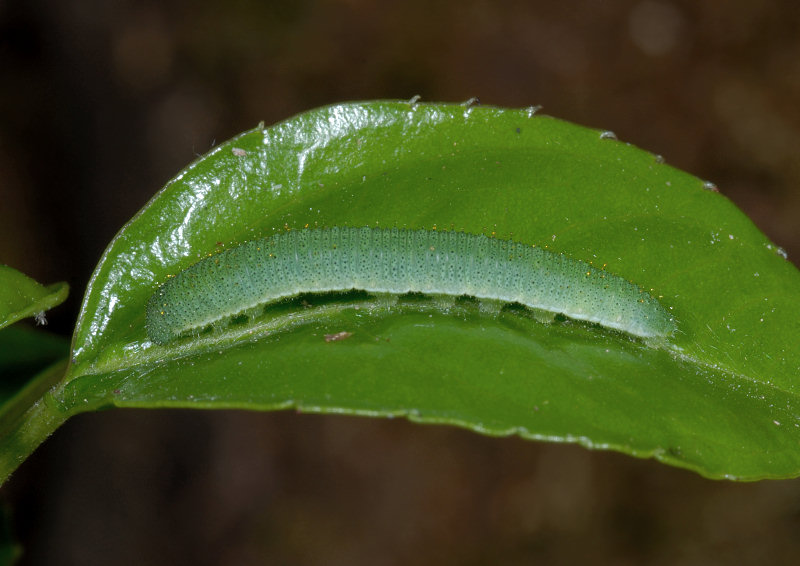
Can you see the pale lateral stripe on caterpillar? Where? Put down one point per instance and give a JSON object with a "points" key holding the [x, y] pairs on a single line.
{"points": [[398, 261]]}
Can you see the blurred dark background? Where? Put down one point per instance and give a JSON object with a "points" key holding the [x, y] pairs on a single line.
{"points": [[102, 101]]}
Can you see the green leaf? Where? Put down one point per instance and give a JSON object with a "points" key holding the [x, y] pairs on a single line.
{"points": [[21, 296], [720, 397]]}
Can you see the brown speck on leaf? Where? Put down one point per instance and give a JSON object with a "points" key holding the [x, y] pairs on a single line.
{"points": [[344, 335], [239, 152]]}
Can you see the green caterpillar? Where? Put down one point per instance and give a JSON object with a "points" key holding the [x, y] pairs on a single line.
{"points": [[398, 261]]}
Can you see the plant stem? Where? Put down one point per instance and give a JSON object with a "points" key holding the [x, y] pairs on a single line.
{"points": [[29, 418]]}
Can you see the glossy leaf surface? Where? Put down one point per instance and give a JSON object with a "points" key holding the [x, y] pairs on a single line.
{"points": [[720, 397]]}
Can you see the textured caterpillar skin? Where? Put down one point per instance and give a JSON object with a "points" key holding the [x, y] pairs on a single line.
{"points": [[398, 261]]}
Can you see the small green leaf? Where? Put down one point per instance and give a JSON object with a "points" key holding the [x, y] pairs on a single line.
{"points": [[21, 296], [720, 397]]}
